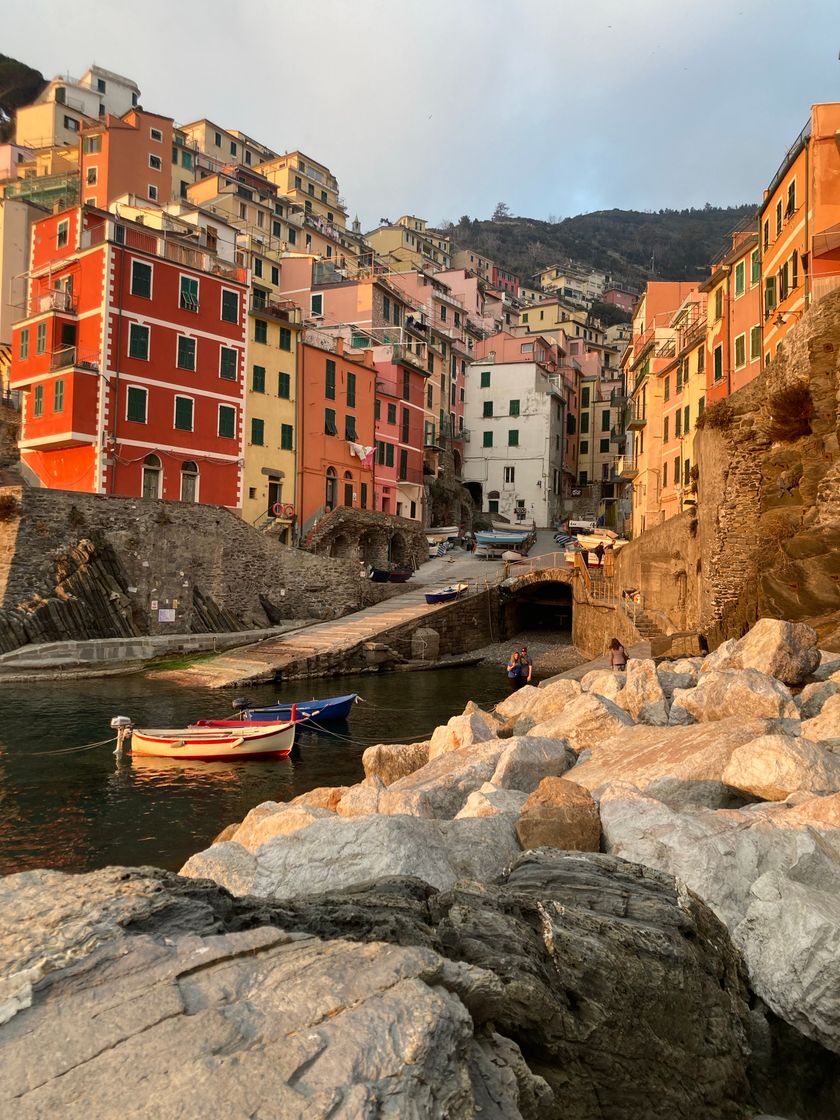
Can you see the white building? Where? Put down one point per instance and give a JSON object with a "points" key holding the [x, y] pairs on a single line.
{"points": [[513, 462]]}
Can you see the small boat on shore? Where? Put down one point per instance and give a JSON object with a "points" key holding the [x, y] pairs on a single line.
{"points": [[391, 575], [301, 711], [446, 594], [226, 743]]}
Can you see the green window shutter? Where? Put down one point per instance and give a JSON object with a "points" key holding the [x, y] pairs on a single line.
{"points": [[257, 432], [284, 386], [488, 439], [189, 293], [350, 428], [287, 437], [513, 438], [227, 421], [183, 414], [186, 352], [260, 330], [41, 339], [38, 401], [487, 408], [227, 363], [485, 379], [351, 390], [24, 343], [138, 342], [58, 395], [230, 307], [605, 420], [136, 405], [258, 379], [514, 408], [329, 380], [285, 338], [329, 422], [141, 279]]}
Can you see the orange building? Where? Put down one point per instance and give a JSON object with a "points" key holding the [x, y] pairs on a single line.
{"points": [[733, 314], [800, 226], [127, 155], [336, 442]]}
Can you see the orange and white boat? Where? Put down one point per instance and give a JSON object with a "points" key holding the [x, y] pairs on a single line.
{"points": [[261, 740]]}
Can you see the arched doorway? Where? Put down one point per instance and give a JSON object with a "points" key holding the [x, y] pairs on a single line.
{"points": [[492, 501], [189, 481], [152, 476], [342, 547], [331, 493], [368, 547], [457, 462], [348, 488], [475, 492], [398, 552]]}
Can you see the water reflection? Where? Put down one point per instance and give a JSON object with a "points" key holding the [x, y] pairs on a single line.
{"points": [[78, 811]]}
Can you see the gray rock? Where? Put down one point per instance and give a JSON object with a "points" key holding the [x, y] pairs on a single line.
{"points": [[585, 722], [733, 692], [527, 759], [391, 761], [812, 697], [343, 852], [825, 728], [490, 800], [784, 650], [719, 658], [472, 726], [361, 800], [828, 667], [441, 787], [642, 695]]}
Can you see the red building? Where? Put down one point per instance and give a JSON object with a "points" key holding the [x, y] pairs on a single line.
{"points": [[505, 280], [131, 356], [336, 446], [400, 414]]}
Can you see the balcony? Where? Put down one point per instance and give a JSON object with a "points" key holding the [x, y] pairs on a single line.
{"points": [[164, 244], [636, 420], [414, 475], [71, 357], [405, 354], [285, 311], [627, 467], [55, 300]]}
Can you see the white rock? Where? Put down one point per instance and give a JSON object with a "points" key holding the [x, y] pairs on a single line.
{"points": [[719, 658], [361, 800], [549, 702], [603, 682], [730, 692], [812, 697], [472, 726], [775, 765], [825, 728], [642, 695], [527, 759], [275, 819], [585, 722], [518, 702], [784, 650], [490, 801], [441, 787]]}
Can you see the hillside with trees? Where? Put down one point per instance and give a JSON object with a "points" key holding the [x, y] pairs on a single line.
{"points": [[630, 245], [19, 85]]}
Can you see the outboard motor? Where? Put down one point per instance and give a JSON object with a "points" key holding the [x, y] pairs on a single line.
{"points": [[241, 704], [123, 727]]}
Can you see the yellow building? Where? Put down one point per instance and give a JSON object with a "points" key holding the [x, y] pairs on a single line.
{"points": [[220, 147], [682, 391], [309, 184], [554, 314], [409, 244]]}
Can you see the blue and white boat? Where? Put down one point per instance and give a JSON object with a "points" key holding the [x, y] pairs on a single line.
{"points": [[315, 711], [446, 594]]}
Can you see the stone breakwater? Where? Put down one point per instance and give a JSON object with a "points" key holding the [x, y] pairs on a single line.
{"points": [[613, 898]]}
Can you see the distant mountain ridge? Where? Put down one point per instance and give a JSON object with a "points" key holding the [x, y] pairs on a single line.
{"points": [[631, 245]]}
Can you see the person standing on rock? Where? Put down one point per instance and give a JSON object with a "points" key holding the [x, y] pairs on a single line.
{"points": [[618, 655], [527, 665], [514, 671]]}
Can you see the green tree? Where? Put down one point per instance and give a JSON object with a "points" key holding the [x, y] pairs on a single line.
{"points": [[19, 85]]}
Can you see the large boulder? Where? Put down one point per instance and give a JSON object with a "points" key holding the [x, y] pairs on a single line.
{"points": [[584, 722], [775, 765], [828, 667], [343, 852], [440, 788], [559, 814], [472, 726], [784, 650], [719, 658], [683, 673], [274, 818], [539, 995], [527, 759], [514, 705], [489, 800], [812, 697], [825, 727], [721, 693], [642, 695], [323, 797], [550, 700], [362, 799], [747, 865], [679, 765], [603, 682], [391, 761]]}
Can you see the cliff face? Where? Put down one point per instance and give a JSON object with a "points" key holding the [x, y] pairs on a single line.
{"points": [[765, 538]]}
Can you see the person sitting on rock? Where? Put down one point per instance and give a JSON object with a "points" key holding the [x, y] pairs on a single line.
{"points": [[618, 655]]}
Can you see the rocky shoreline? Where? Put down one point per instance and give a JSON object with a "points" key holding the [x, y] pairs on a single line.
{"points": [[617, 897]]}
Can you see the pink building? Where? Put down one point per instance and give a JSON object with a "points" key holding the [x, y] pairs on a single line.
{"points": [[621, 297]]}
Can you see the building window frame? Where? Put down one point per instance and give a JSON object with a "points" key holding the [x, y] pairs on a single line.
{"points": [[178, 406], [135, 394], [139, 341], [228, 367], [137, 284], [226, 419], [186, 352]]}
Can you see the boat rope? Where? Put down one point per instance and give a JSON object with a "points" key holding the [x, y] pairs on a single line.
{"points": [[73, 750]]}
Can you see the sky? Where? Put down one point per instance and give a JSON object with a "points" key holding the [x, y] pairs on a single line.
{"points": [[446, 107]]}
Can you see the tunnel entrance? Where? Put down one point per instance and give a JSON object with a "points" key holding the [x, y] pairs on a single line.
{"points": [[538, 606]]}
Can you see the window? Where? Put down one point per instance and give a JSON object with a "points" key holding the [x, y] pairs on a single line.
{"points": [[189, 293], [62, 233], [485, 379], [92, 145], [284, 386], [513, 408], [217, 139], [329, 380], [186, 352], [285, 338], [228, 363], [791, 198], [292, 236], [664, 476], [350, 427], [666, 421], [316, 304], [233, 147], [755, 267], [605, 420], [287, 434], [794, 269], [718, 363], [189, 481], [258, 267], [258, 379], [257, 432], [230, 306], [386, 308], [584, 478], [403, 467], [584, 446], [138, 341], [784, 282], [755, 343], [156, 135], [677, 424], [513, 438], [677, 471], [152, 475], [227, 421], [71, 124], [329, 422], [136, 404], [740, 351], [187, 161], [392, 414], [351, 390], [604, 446], [487, 408], [701, 406], [247, 156], [91, 176], [686, 419], [260, 330], [510, 474], [766, 233], [769, 294], [155, 162], [38, 401], [584, 422], [141, 279], [377, 409], [740, 278], [778, 217], [488, 439], [331, 494], [719, 303], [667, 389], [275, 275], [701, 360], [24, 343], [184, 414]]}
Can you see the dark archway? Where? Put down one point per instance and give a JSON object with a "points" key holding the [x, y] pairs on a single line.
{"points": [[476, 493], [398, 550], [342, 547], [539, 606]]}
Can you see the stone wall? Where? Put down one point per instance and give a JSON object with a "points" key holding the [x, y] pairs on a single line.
{"points": [[765, 537], [595, 624], [9, 427], [368, 536], [90, 566]]}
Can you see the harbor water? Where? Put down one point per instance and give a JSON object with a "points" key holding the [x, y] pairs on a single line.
{"points": [[77, 810]]}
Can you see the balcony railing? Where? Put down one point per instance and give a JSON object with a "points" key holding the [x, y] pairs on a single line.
{"points": [[161, 243], [56, 300], [72, 356], [284, 310], [627, 467], [636, 419], [411, 474]]}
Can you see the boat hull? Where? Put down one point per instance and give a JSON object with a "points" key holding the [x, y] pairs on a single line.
{"points": [[215, 744], [446, 594], [334, 707]]}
